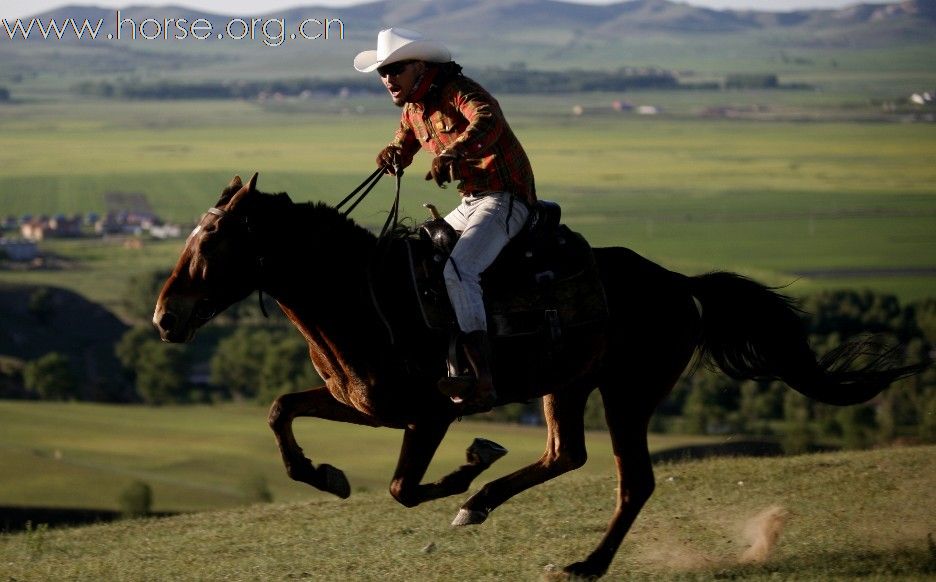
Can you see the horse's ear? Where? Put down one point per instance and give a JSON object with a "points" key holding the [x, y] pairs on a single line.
{"points": [[232, 188], [243, 191]]}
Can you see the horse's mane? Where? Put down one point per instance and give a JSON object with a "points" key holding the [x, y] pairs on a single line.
{"points": [[322, 213], [300, 216]]}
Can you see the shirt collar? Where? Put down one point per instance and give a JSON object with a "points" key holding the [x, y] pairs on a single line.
{"points": [[423, 84]]}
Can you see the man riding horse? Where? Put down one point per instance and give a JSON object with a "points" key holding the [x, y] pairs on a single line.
{"points": [[463, 127]]}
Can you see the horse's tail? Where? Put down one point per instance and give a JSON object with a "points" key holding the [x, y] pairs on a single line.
{"points": [[751, 331]]}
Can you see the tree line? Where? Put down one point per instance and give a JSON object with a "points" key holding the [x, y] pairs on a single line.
{"points": [[244, 356], [499, 80], [708, 402]]}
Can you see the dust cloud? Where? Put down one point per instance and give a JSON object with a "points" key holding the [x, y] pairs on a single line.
{"points": [[762, 533]]}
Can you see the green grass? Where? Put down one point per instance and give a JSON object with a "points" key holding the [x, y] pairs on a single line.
{"points": [[195, 457], [768, 199], [859, 515]]}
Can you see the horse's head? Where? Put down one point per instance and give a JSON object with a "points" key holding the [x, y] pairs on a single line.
{"points": [[217, 267]]}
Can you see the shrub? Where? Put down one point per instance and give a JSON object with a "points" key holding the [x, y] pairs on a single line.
{"points": [[161, 373], [51, 377], [136, 499], [255, 489]]}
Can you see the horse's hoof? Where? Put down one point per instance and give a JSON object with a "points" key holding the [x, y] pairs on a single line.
{"points": [[484, 452], [334, 481], [553, 573], [582, 571], [469, 517]]}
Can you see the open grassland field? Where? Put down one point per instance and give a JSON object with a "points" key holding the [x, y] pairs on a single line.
{"points": [[863, 515], [826, 204], [197, 457]]}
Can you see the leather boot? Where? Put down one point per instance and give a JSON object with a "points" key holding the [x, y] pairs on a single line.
{"points": [[476, 392]]}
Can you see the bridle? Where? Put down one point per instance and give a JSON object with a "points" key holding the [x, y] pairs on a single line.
{"points": [[259, 257], [367, 185]]}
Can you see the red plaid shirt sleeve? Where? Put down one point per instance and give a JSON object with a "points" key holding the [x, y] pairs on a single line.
{"points": [[405, 139]]}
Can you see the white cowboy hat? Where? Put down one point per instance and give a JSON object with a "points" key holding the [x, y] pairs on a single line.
{"points": [[401, 44]]}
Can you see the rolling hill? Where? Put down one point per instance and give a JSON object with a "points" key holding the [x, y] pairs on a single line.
{"points": [[466, 19], [867, 515], [547, 34], [37, 320]]}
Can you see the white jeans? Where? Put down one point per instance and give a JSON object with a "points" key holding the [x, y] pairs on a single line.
{"points": [[488, 221]]}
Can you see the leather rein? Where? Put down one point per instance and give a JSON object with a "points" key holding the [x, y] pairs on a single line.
{"points": [[370, 182], [388, 227]]}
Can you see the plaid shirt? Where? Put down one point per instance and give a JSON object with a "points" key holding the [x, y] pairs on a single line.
{"points": [[463, 119]]}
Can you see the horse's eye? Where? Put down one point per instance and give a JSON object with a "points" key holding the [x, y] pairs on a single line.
{"points": [[209, 242]]}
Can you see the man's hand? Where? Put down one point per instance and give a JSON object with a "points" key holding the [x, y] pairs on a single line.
{"points": [[443, 169], [389, 158]]}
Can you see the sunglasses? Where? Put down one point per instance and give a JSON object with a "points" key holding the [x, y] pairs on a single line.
{"points": [[393, 69]]}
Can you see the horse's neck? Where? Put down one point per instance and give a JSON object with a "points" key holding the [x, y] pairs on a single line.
{"points": [[324, 293]]}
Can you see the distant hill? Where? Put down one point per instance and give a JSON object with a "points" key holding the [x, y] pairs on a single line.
{"points": [[469, 19], [543, 34], [65, 322]]}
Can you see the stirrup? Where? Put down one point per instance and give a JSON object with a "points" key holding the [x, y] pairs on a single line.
{"points": [[463, 390], [457, 387]]}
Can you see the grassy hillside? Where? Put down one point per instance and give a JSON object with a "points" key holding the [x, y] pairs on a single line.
{"points": [[196, 457], [862, 515]]}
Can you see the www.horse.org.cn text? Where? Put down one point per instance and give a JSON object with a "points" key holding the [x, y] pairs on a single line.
{"points": [[269, 31]]}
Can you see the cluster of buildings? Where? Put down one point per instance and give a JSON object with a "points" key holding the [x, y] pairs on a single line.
{"points": [[39, 228], [617, 105], [922, 104], [19, 236], [42, 227]]}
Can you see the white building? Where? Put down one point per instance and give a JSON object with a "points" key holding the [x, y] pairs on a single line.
{"points": [[18, 249]]}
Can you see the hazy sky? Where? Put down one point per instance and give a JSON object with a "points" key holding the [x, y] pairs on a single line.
{"points": [[16, 8]]}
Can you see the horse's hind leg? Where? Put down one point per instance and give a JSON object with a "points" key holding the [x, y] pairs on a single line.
{"points": [[320, 403], [565, 451], [628, 416], [420, 441], [635, 479]]}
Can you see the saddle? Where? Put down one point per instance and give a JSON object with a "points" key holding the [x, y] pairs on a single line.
{"points": [[545, 281]]}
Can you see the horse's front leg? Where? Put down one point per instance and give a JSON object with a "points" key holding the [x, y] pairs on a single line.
{"points": [[420, 441], [565, 451], [320, 403]]}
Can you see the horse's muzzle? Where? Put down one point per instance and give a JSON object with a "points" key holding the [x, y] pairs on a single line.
{"points": [[167, 324], [167, 321]]}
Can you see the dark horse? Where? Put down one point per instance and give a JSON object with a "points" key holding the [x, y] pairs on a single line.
{"points": [[319, 267]]}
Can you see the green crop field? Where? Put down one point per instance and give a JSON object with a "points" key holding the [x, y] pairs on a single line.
{"points": [[196, 457], [866, 515], [825, 204]]}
